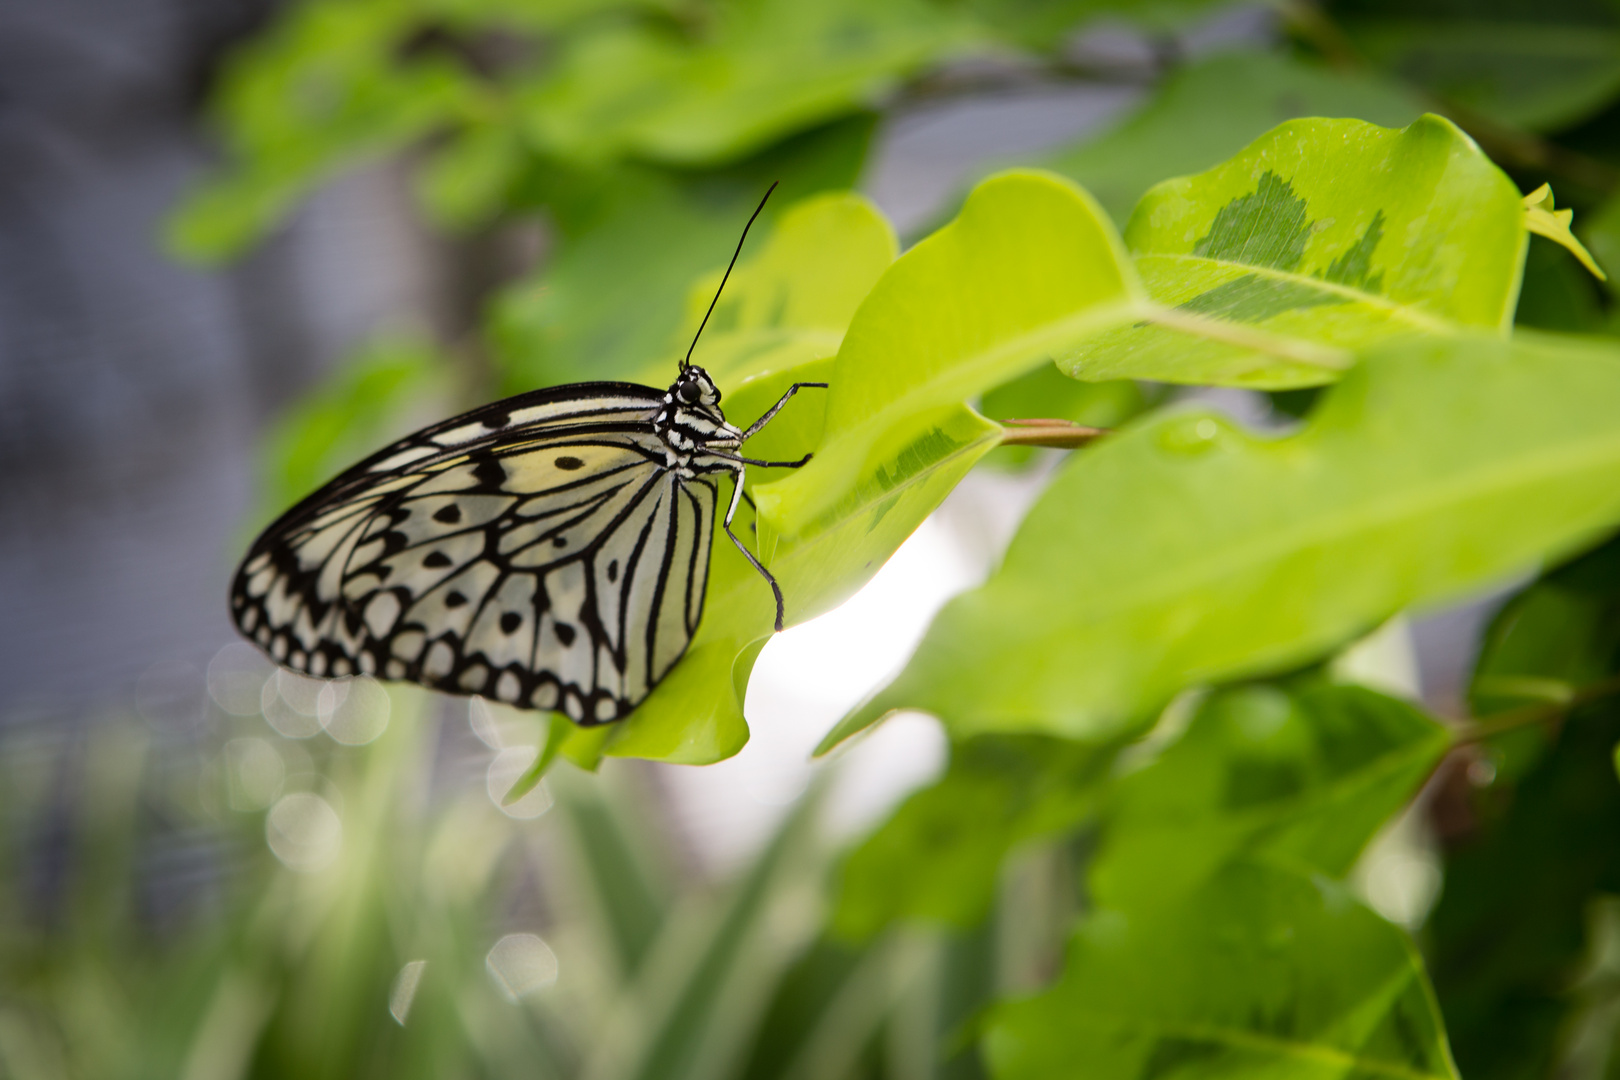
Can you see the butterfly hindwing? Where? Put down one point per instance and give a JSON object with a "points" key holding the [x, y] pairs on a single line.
{"points": [[539, 551]]}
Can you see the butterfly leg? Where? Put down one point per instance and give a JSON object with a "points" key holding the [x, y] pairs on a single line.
{"points": [[731, 511], [774, 409]]}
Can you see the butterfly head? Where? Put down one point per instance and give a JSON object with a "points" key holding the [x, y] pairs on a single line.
{"points": [[694, 389]]}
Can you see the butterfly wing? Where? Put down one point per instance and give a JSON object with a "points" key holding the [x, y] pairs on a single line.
{"points": [[538, 551]]}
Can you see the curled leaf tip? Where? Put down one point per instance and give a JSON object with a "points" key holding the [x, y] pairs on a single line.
{"points": [[1542, 219]]}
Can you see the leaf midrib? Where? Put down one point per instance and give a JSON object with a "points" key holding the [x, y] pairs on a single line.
{"points": [[1407, 312], [1328, 530]]}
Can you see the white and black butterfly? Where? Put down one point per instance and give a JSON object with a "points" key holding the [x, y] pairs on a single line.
{"points": [[550, 551]]}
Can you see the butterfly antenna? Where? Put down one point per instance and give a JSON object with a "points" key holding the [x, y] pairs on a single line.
{"points": [[686, 363]]}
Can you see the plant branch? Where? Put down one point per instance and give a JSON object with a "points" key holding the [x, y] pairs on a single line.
{"points": [[1529, 715]]}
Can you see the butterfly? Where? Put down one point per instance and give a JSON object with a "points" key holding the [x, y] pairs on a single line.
{"points": [[550, 551]]}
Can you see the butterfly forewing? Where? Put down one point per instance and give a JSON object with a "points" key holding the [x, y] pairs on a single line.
{"points": [[539, 551]]}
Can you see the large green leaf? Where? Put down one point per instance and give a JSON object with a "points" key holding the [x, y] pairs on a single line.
{"points": [[1322, 235], [936, 859], [1513, 924], [1027, 269], [1210, 110], [1541, 64], [1260, 973], [695, 714], [629, 244], [1186, 550], [1305, 773], [760, 70]]}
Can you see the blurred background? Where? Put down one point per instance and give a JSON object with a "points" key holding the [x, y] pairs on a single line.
{"points": [[243, 242]]}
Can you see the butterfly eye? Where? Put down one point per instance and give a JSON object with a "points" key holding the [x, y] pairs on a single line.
{"points": [[688, 393]]}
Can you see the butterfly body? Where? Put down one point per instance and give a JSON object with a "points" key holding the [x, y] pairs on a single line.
{"points": [[550, 551]]}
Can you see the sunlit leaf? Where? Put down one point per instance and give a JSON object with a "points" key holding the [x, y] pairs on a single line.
{"points": [[1261, 972], [1541, 218], [1323, 234], [1187, 550], [1027, 269]]}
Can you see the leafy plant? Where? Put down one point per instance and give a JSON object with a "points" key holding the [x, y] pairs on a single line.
{"points": [[1141, 859]]}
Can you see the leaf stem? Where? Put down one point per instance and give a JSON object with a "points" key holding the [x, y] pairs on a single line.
{"points": [[1540, 713], [1062, 434]]}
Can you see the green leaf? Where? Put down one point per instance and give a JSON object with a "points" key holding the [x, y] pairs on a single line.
{"points": [[1186, 550], [326, 87], [695, 714], [630, 243], [936, 859], [468, 182], [1540, 64], [1323, 235], [1209, 111], [1541, 218], [1027, 269], [1307, 774], [1260, 973], [761, 70]]}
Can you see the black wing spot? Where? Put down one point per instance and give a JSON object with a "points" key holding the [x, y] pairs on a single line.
{"points": [[497, 420], [490, 473], [565, 634], [569, 462], [351, 619], [436, 560], [449, 515], [510, 622], [453, 599], [613, 570], [559, 541]]}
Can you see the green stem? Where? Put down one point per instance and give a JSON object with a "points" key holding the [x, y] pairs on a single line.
{"points": [[1529, 715]]}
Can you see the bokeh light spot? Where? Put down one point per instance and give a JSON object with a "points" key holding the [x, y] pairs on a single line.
{"points": [[236, 678], [359, 715], [404, 990], [521, 964], [255, 772], [303, 831]]}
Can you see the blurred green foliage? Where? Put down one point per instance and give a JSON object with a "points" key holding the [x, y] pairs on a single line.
{"points": [[1139, 860]]}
